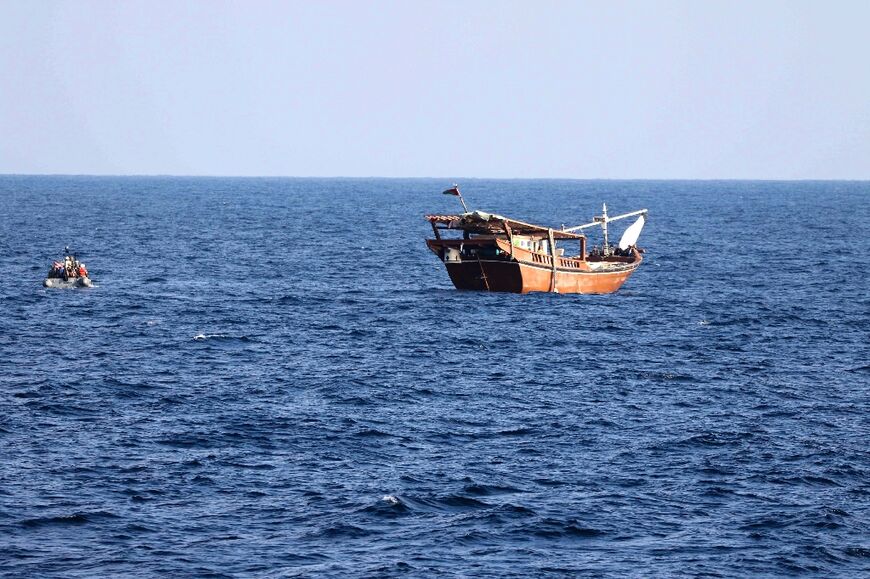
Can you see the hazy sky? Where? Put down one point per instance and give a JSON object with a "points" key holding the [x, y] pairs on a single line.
{"points": [[773, 90]]}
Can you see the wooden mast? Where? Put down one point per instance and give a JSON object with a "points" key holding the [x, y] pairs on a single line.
{"points": [[555, 259], [461, 200], [602, 221], [598, 220]]}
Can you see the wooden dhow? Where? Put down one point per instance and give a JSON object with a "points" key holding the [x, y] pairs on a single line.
{"points": [[490, 252]]}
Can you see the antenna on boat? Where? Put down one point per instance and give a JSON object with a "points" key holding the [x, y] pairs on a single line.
{"points": [[455, 191], [604, 227]]}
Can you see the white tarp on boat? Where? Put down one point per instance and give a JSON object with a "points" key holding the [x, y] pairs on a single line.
{"points": [[631, 234]]}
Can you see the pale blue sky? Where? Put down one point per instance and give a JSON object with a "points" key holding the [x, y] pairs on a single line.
{"points": [[770, 90]]}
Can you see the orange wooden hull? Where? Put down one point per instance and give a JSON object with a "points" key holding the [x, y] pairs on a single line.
{"points": [[522, 272]]}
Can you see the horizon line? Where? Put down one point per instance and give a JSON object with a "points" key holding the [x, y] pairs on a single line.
{"points": [[345, 177]]}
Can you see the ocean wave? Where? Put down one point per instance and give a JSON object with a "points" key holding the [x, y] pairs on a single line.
{"points": [[78, 518], [549, 528], [221, 338]]}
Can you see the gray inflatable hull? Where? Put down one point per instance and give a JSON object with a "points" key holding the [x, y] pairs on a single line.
{"points": [[56, 282]]}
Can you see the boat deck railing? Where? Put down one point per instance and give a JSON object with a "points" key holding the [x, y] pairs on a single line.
{"points": [[563, 261]]}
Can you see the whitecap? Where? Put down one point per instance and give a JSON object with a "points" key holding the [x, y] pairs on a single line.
{"points": [[207, 336]]}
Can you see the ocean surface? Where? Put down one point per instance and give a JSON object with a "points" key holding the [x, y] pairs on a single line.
{"points": [[276, 378]]}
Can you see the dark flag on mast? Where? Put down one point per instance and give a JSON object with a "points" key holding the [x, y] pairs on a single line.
{"points": [[455, 191]]}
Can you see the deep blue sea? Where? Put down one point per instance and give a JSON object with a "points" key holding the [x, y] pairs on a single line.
{"points": [[276, 378]]}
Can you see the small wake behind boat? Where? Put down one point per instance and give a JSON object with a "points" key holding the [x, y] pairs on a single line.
{"points": [[68, 273], [496, 253]]}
